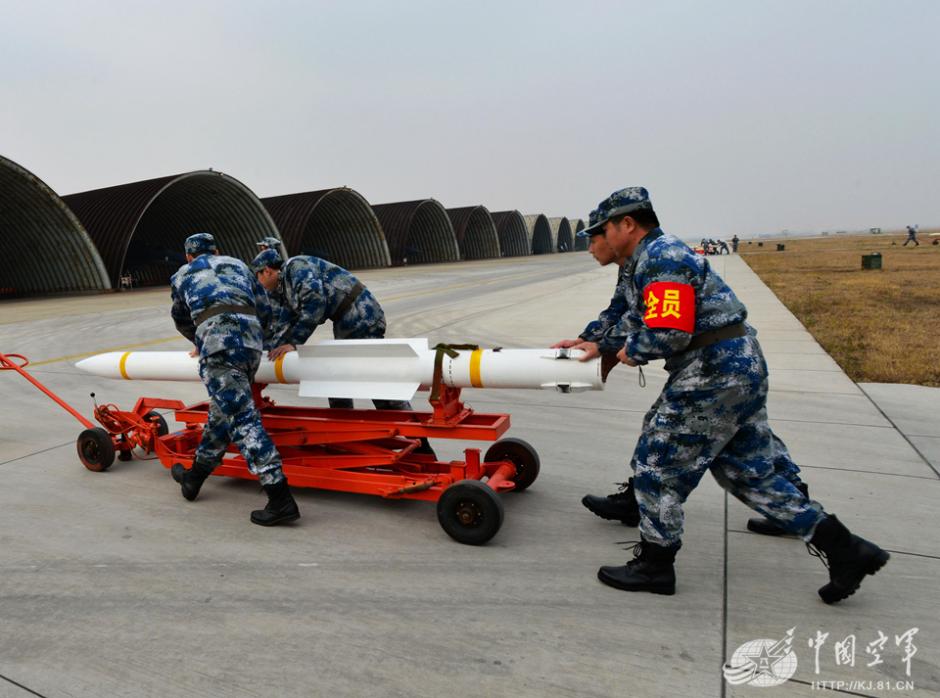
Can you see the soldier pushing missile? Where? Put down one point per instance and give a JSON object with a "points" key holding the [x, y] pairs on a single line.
{"points": [[221, 308], [712, 414], [307, 291]]}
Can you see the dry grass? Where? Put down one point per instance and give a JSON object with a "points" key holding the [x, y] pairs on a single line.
{"points": [[881, 326]]}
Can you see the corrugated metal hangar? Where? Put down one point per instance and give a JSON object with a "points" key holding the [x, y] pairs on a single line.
{"points": [[132, 234]]}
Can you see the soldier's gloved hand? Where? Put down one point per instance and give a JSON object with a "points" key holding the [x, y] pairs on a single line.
{"points": [[624, 359], [278, 352], [565, 343]]}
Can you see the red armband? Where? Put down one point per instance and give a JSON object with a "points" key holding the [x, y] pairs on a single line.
{"points": [[670, 305]]}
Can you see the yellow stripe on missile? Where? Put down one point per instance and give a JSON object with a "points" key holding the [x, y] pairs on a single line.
{"points": [[279, 368], [122, 367], [475, 358]]}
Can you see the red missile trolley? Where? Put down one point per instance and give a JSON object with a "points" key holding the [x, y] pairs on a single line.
{"points": [[374, 452]]}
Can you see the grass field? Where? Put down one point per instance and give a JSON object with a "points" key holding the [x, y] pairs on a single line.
{"points": [[881, 326]]}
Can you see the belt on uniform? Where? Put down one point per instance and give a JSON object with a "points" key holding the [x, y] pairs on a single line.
{"points": [[219, 309], [350, 298], [712, 336]]}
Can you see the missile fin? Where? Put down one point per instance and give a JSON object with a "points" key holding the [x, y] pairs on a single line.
{"points": [[353, 389], [568, 386], [361, 349]]}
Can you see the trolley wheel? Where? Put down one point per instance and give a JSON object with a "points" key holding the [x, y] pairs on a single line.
{"points": [[470, 512], [521, 453], [95, 449], [125, 455], [162, 428]]}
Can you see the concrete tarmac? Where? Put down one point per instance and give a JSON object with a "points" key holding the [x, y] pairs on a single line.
{"points": [[112, 585]]}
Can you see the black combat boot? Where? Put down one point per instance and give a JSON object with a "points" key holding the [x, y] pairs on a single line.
{"points": [[766, 527], [650, 570], [620, 506], [191, 480], [848, 557], [281, 507]]}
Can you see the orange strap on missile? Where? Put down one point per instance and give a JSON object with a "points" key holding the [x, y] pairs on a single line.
{"points": [[279, 368]]}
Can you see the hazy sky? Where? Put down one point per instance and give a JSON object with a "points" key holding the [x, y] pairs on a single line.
{"points": [[739, 116]]}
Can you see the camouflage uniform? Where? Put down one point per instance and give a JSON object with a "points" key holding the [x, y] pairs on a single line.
{"points": [[229, 347], [271, 243], [608, 333], [311, 291], [711, 414], [600, 331]]}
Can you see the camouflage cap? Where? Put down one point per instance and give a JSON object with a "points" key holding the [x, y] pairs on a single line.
{"points": [[266, 258], [619, 203], [199, 243], [269, 242]]}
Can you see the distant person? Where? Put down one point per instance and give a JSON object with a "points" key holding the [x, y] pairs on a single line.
{"points": [[734, 243], [911, 236], [723, 247]]}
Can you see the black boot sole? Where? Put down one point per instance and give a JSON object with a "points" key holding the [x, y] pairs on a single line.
{"points": [[765, 527], [652, 589], [630, 521], [286, 518], [833, 593]]}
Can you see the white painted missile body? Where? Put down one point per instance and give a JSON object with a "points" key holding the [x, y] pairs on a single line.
{"points": [[389, 369]]}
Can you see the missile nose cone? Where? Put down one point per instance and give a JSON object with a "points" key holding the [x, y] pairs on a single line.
{"points": [[104, 365]]}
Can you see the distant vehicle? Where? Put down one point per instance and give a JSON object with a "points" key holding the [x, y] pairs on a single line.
{"points": [[874, 231]]}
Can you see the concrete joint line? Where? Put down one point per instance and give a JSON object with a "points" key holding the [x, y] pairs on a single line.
{"points": [[903, 435]]}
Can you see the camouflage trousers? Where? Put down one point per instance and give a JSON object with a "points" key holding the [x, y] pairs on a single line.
{"points": [[233, 416], [724, 430]]}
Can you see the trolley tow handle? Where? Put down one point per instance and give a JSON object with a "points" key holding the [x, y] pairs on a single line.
{"points": [[7, 364]]}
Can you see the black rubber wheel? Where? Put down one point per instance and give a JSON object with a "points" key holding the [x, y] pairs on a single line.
{"points": [[521, 453], [162, 428], [95, 449], [125, 455], [470, 512]]}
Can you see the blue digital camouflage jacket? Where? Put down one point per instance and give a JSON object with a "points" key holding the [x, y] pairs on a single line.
{"points": [[660, 258], [213, 280]]}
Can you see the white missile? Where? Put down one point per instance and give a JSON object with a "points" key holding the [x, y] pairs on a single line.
{"points": [[388, 369]]}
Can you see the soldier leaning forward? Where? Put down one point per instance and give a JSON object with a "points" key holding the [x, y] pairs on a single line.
{"points": [[711, 414], [220, 307], [308, 291]]}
